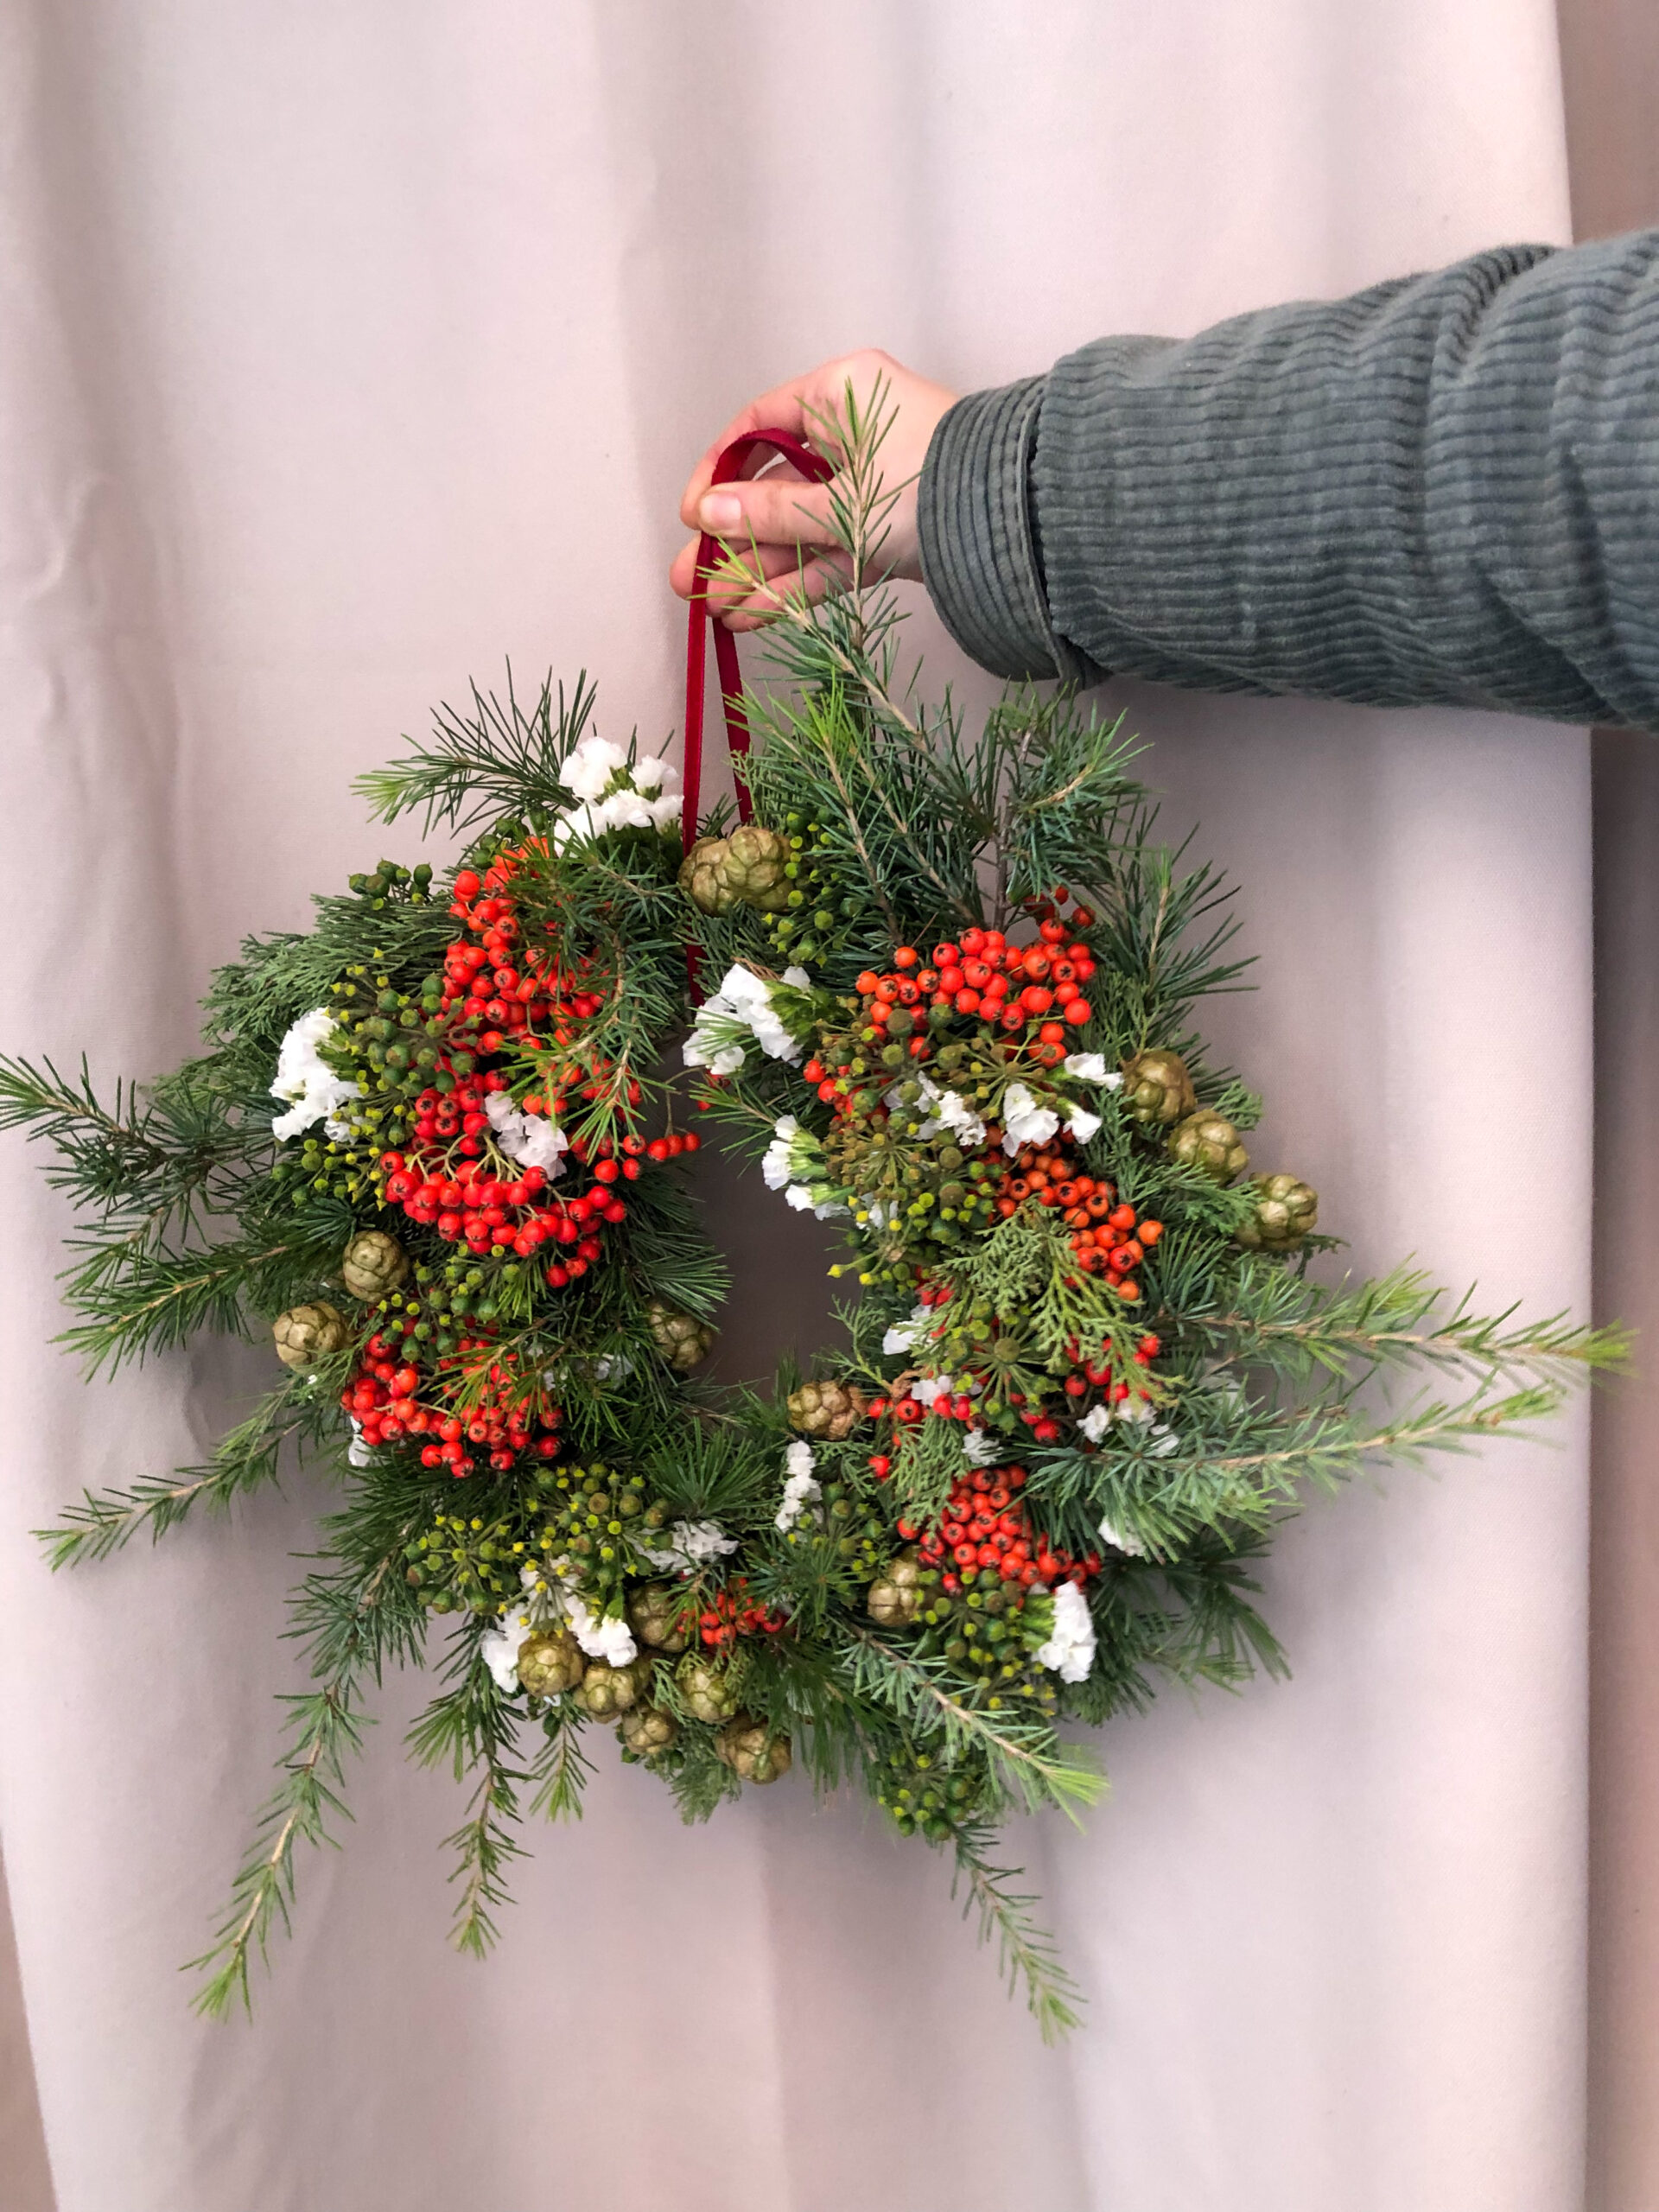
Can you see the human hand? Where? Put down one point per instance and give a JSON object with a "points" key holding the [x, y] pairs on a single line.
{"points": [[779, 524]]}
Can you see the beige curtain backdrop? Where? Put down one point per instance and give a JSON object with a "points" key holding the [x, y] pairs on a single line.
{"points": [[351, 350], [1610, 55]]}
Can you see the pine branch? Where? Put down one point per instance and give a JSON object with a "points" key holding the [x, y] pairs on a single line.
{"points": [[244, 1458], [1027, 1953], [500, 761], [560, 1772], [1392, 1320], [327, 1727], [472, 1727], [138, 1302], [351, 1621], [1032, 1766], [485, 1846]]}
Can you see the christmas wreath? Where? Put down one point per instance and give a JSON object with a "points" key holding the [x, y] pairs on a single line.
{"points": [[940, 986]]}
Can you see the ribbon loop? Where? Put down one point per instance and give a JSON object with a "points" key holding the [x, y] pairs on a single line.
{"points": [[817, 470]]}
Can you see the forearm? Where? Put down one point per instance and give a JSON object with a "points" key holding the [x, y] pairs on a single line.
{"points": [[1443, 490]]}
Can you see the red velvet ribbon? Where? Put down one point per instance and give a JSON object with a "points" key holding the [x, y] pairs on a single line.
{"points": [[728, 468]]}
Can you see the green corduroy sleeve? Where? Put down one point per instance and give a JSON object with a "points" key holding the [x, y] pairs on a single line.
{"points": [[1444, 490]]}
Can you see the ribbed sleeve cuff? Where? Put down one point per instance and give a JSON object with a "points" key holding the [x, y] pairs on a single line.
{"points": [[979, 558]]}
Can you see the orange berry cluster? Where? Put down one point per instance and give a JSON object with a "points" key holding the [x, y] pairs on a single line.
{"points": [[385, 1397], [985, 1526], [1108, 1238]]}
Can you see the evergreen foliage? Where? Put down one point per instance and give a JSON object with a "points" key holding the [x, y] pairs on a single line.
{"points": [[1068, 1337]]}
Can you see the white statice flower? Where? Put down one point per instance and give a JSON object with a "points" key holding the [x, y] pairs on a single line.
{"points": [[930, 1388], [801, 1487], [815, 1199], [743, 1002], [357, 1453], [1090, 1067], [591, 765], [881, 1213], [1070, 1651], [1136, 1413], [1024, 1122], [777, 1166], [613, 1367], [980, 1448], [940, 1109], [690, 1543], [501, 1643], [530, 1140], [902, 1336], [1121, 1540], [306, 1084], [1082, 1124], [611, 795], [606, 1636]]}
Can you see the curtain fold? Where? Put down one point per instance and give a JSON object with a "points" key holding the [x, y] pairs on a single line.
{"points": [[350, 351]]}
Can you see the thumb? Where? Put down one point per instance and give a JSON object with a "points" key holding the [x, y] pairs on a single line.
{"points": [[774, 511]]}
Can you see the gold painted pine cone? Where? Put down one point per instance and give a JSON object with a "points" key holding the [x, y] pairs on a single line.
{"points": [[831, 1409], [606, 1691], [550, 1663], [894, 1597], [683, 1341], [1208, 1141], [1157, 1090], [647, 1730], [1286, 1209], [661, 1616], [706, 1687], [374, 1264], [754, 1752], [306, 1334]]}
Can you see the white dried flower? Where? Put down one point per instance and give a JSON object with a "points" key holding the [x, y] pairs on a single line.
{"points": [[590, 767], [902, 1336], [801, 1487], [1024, 1122], [981, 1449], [1090, 1067], [529, 1139], [1121, 1540], [689, 1543], [306, 1084], [500, 1644], [607, 1637], [742, 1003], [1070, 1650]]}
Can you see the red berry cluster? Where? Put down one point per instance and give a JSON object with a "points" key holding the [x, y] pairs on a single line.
{"points": [[1030, 991], [985, 1526], [385, 1397], [1107, 1237], [1097, 1374], [497, 994], [731, 1612], [498, 986], [469, 1204]]}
